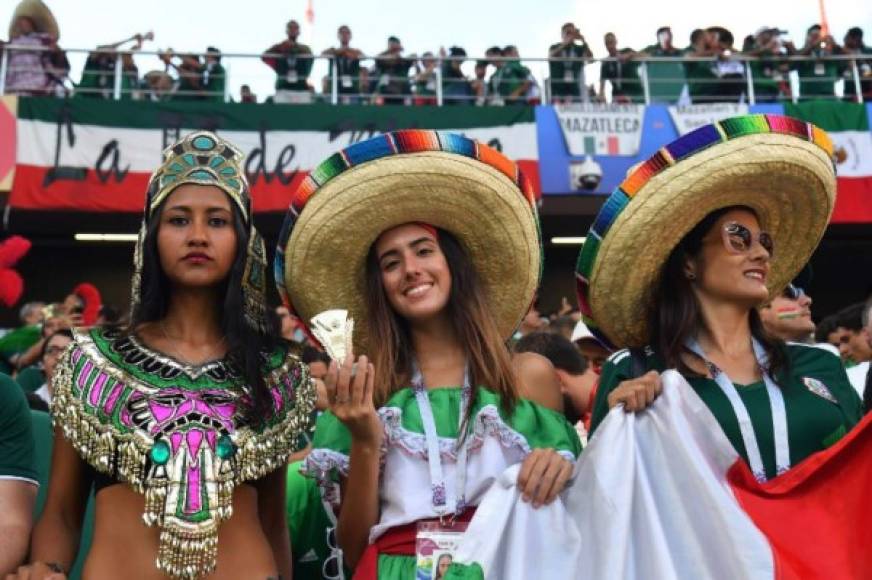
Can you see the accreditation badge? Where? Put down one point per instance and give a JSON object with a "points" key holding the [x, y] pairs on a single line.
{"points": [[435, 547], [819, 389]]}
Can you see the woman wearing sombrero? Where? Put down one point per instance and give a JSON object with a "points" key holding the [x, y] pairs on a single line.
{"points": [[680, 258], [430, 241], [187, 417]]}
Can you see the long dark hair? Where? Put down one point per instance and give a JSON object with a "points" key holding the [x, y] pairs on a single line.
{"points": [[675, 316], [246, 348], [470, 315]]}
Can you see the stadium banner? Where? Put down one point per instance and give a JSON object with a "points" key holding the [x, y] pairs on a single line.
{"points": [[8, 113], [690, 117], [96, 155], [561, 169], [600, 129]]}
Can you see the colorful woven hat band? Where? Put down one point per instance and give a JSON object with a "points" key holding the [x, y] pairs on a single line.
{"points": [[386, 145], [668, 156]]}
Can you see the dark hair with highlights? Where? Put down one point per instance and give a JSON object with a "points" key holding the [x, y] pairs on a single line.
{"points": [[675, 316], [468, 309], [246, 349]]}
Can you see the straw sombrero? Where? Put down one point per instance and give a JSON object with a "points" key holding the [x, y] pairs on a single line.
{"points": [[446, 180], [779, 166], [38, 12]]}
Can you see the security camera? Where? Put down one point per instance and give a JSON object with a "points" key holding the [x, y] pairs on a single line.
{"points": [[585, 175]]}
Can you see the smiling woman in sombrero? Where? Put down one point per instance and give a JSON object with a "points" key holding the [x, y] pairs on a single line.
{"points": [[431, 242], [678, 262]]}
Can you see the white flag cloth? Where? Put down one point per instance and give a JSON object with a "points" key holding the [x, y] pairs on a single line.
{"points": [[650, 499]]}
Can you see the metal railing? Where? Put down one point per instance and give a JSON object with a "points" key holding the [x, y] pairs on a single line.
{"points": [[512, 80]]}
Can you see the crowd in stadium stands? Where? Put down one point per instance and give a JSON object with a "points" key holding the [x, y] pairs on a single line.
{"points": [[712, 67]]}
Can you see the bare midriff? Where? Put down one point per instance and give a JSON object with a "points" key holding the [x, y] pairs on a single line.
{"points": [[124, 547]]}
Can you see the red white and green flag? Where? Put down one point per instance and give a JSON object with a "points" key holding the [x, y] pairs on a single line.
{"points": [[848, 125], [664, 494], [91, 155]]}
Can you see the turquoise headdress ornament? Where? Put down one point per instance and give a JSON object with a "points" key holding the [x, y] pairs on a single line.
{"points": [[204, 158]]}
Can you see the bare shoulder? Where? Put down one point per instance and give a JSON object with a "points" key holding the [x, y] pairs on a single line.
{"points": [[537, 380]]}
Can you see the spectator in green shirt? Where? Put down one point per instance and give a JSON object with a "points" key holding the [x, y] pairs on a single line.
{"points": [[18, 477], [351, 78], [701, 79], [622, 73], [817, 77], [665, 78], [213, 76], [98, 75], [291, 60], [392, 72], [512, 81], [566, 75], [854, 45], [770, 70], [18, 341]]}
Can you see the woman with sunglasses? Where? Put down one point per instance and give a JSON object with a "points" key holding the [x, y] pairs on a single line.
{"points": [[679, 261], [430, 242]]}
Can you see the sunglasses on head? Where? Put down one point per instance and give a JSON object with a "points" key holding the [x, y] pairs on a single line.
{"points": [[738, 239]]}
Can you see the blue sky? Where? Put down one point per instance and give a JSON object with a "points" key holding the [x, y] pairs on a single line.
{"points": [[251, 26]]}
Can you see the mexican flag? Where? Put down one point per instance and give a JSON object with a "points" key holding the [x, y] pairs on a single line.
{"points": [[95, 155], [848, 124], [663, 494]]}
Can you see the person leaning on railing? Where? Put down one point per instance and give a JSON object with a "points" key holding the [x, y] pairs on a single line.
{"points": [[456, 88], [817, 77], [770, 68], [351, 78], [854, 45], [701, 79], [291, 60], [512, 82], [621, 71], [392, 72]]}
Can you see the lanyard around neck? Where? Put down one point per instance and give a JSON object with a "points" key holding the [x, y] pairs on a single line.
{"points": [[434, 458], [776, 403]]}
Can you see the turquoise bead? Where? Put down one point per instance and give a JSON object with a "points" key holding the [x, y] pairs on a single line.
{"points": [[160, 453], [203, 143], [225, 448]]}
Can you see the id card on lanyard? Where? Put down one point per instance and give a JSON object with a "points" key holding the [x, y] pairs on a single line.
{"points": [[776, 404], [435, 548], [442, 536]]}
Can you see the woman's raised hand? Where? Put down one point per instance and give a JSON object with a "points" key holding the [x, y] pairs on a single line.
{"points": [[636, 394], [350, 392]]}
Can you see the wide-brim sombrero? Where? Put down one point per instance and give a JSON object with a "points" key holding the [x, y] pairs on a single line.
{"points": [[778, 166], [442, 179], [42, 18]]}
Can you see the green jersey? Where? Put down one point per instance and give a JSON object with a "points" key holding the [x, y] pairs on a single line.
{"points": [[820, 403], [16, 434]]}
